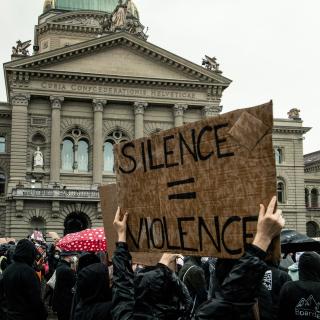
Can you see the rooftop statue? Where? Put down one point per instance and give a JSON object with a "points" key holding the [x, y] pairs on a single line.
{"points": [[119, 16], [125, 17], [210, 63], [294, 114], [132, 9], [21, 48]]}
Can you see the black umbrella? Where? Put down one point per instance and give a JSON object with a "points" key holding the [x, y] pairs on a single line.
{"points": [[293, 241]]}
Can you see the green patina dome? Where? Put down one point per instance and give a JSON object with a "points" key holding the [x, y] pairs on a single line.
{"points": [[73, 5]]}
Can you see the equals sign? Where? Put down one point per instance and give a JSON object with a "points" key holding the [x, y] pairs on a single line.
{"points": [[181, 196]]}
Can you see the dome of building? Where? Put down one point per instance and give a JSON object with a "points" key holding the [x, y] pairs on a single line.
{"points": [[74, 5]]}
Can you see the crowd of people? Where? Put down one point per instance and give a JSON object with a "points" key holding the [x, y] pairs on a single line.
{"points": [[36, 278]]}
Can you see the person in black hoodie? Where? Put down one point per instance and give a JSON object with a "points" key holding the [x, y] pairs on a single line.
{"points": [[22, 286], [153, 293], [300, 300], [65, 281], [94, 292]]}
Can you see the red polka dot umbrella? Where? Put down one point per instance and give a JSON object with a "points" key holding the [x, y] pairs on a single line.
{"points": [[90, 240]]}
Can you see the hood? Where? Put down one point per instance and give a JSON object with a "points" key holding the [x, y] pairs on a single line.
{"points": [[93, 284], [25, 252], [158, 290], [86, 259], [309, 267]]}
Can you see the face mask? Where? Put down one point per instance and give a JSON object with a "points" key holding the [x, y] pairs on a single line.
{"points": [[56, 256]]}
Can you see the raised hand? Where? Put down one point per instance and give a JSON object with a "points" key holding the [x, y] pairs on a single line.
{"points": [[270, 224], [120, 225]]}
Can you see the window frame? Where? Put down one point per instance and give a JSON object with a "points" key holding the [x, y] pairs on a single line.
{"points": [[284, 194], [114, 137]]}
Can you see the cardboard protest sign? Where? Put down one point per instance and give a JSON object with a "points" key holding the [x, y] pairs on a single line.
{"points": [[109, 205], [196, 189]]}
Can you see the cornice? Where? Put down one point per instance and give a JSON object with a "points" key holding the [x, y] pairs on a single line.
{"points": [[127, 40], [313, 167], [26, 75], [284, 129]]}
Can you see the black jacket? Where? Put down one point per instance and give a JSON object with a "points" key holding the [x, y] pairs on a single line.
{"points": [[236, 288], [94, 293], [153, 293], [21, 285], [193, 276], [269, 294], [62, 294], [300, 300]]}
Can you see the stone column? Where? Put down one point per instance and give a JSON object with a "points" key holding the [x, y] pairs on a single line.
{"points": [[178, 111], [139, 108], [55, 155], [97, 170], [211, 111], [19, 131]]}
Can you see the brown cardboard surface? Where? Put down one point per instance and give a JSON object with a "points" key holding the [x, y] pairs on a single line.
{"points": [[196, 189], [109, 205]]}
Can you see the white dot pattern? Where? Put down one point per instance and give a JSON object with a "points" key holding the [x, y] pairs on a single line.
{"points": [[91, 240]]}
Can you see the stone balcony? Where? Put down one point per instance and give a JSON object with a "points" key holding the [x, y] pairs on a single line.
{"points": [[55, 194]]}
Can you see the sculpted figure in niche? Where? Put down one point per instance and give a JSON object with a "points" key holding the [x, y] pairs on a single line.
{"points": [[38, 159], [119, 15]]}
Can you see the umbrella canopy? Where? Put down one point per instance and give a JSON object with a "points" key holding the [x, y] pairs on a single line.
{"points": [[89, 240], [293, 241]]}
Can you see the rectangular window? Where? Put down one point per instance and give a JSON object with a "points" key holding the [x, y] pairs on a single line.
{"points": [[2, 144], [278, 155]]}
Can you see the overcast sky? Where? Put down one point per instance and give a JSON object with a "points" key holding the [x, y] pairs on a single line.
{"points": [[269, 48]]}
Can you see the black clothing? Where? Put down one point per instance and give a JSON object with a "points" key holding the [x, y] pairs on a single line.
{"points": [[62, 294], [300, 300], [22, 286], [94, 292], [237, 284], [3, 302], [154, 293], [269, 294], [86, 259], [193, 276]]}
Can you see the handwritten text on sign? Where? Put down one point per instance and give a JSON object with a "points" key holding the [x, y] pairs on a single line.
{"points": [[196, 189]]}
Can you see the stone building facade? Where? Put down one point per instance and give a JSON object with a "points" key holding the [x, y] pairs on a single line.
{"points": [[72, 101], [312, 192], [93, 81]]}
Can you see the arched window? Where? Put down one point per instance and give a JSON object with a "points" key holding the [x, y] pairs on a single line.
{"points": [[314, 198], [2, 144], [75, 151], [279, 155], [312, 229], [281, 192], [115, 137], [306, 197], [108, 156], [83, 158], [2, 183], [67, 155]]}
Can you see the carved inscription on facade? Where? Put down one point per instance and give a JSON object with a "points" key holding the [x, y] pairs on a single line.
{"points": [[121, 91]]}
